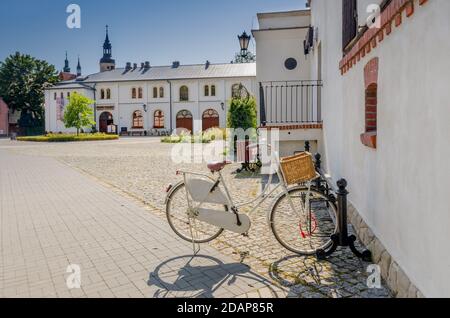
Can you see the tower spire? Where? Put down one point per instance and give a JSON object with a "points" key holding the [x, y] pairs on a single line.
{"points": [[107, 63], [66, 65], [78, 67], [107, 47]]}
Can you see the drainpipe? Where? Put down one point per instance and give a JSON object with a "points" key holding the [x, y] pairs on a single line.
{"points": [[170, 106], [95, 107]]}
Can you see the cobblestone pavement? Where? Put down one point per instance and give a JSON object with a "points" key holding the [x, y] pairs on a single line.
{"points": [[141, 169]]}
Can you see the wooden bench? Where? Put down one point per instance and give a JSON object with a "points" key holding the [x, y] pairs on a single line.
{"points": [[136, 132]]}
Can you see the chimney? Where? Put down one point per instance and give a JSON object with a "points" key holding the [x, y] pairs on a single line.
{"points": [[147, 65], [142, 66], [134, 66], [176, 64], [208, 63], [128, 66]]}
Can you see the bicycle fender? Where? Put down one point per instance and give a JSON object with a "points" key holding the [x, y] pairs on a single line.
{"points": [[172, 190]]}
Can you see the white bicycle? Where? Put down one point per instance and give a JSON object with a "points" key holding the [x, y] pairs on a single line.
{"points": [[302, 218]]}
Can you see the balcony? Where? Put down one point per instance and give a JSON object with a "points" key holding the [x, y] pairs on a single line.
{"points": [[291, 104]]}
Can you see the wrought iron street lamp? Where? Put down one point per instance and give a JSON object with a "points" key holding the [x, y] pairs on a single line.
{"points": [[245, 56], [244, 41]]}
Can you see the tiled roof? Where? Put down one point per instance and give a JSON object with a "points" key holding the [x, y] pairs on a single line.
{"points": [[170, 73], [72, 84]]}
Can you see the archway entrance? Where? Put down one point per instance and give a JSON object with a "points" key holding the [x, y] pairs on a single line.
{"points": [[210, 119], [185, 120], [106, 119]]}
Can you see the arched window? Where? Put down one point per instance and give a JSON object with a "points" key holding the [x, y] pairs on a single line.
{"points": [[155, 92], [140, 93], [102, 94], [184, 94], [108, 93], [56, 96], [161, 92], [206, 90], [68, 94], [62, 95], [138, 119], [369, 137], [159, 119], [133, 93], [213, 90]]}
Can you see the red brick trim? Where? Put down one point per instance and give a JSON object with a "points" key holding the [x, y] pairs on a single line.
{"points": [[295, 127], [371, 72], [368, 41], [369, 139]]}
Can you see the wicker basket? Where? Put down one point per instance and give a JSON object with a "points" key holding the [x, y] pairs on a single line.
{"points": [[298, 169]]}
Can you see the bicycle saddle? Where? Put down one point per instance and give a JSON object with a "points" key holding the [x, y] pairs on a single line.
{"points": [[217, 166]]}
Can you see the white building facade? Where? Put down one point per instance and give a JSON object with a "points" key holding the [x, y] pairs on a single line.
{"points": [[378, 115], [386, 130], [137, 99], [288, 95]]}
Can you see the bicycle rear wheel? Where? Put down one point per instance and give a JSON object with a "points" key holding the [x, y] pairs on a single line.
{"points": [[188, 228], [298, 230]]}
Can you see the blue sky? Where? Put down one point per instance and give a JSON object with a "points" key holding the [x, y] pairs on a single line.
{"points": [[160, 31]]}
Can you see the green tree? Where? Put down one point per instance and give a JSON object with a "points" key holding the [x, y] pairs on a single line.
{"points": [[248, 57], [242, 113], [79, 113], [22, 83]]}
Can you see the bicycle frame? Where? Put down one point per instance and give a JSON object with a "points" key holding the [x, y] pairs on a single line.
{"points": [[260, 199]]}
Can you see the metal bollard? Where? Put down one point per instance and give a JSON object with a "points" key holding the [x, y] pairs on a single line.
{"points": [[318, 165], [307, 146]]}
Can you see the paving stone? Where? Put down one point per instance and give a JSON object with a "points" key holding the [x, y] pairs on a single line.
{"points": [[111, 231]]}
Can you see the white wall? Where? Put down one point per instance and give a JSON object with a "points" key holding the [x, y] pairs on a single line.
{"points": [[401, 188], [52, 124], [362, 10], [273, 48], [288, 19], [124, 105]]}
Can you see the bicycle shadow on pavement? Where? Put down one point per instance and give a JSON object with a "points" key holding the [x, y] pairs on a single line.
{"points": [[341, 276], [204, 276]]}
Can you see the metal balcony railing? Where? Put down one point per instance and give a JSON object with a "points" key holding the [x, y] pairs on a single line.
{"points": [[290, 102]]}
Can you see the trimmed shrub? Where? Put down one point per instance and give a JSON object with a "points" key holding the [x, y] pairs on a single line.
{"points": [[68, 138], [242, 113]]}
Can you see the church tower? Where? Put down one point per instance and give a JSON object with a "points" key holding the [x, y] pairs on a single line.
{"points": [[66, 68], [106, 62], [78, 68]]}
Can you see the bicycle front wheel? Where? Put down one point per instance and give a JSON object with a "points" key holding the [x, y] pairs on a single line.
{"points": [[188, 228], [303, 220]]}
